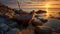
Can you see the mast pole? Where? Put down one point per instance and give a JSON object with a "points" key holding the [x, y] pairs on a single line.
{"points": [[18, 4], [33, 16]]}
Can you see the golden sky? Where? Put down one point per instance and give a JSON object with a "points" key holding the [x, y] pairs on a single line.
{"points": [[32, 3]]}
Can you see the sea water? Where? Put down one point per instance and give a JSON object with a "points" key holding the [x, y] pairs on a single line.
{"points": [[55, 12]]}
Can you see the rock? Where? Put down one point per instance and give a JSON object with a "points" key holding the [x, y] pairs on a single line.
{"points": [[54, 23], [37, 22], [12, 25], [4, 27], [3, 20], [1, 32], [43, 30], [13, 31]]}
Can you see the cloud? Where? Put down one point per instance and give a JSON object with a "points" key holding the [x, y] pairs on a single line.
{"points": [[8, 2], [22, 2], [38, 0], [28, 2]]}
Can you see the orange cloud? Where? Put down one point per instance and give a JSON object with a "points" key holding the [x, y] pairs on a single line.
{"points": [[40, 6]]}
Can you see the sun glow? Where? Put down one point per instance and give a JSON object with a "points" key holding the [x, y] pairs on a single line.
{"points": [[47, 6]]}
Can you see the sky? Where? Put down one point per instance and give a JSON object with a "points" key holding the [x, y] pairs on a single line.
{"points": [[51, 6], [32, 3]]}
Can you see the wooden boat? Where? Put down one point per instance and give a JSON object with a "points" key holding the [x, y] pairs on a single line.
{"points": [[27, 19]]}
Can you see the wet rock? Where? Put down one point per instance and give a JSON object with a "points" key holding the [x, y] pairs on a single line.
{"points": [[43, 30], [12, 25], [13, 31], [3, 20], [54, 23], [4, 27]]}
